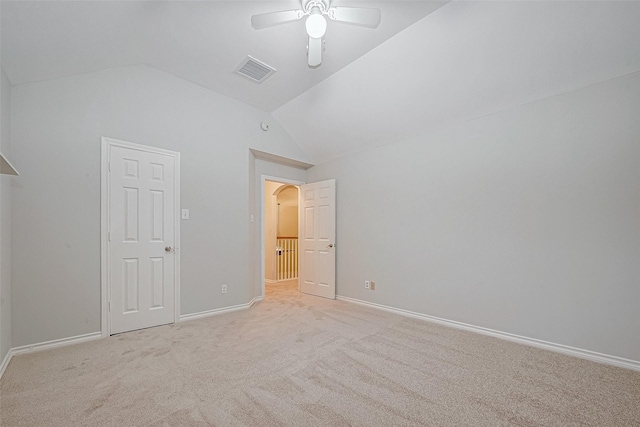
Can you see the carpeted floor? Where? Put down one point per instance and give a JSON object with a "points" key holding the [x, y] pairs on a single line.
{"points": [[299, 360]]}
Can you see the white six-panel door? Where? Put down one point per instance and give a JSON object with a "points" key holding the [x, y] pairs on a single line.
{"points": [[141, 238], [317, 233]]}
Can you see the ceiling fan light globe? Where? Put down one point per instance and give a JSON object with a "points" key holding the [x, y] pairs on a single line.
{"points": [[316, 25]]}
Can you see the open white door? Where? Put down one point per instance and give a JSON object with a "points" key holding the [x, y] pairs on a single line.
{"points": [[317, 236], [142, 187]]}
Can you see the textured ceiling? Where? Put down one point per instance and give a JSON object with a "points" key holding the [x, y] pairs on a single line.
{"points": [[429, 64]]}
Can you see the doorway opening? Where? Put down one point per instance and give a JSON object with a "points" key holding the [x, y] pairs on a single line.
{"points": [[281, 234], [316, 236]]}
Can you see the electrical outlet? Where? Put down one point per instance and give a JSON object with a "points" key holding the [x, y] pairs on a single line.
{"points": [[372, 286], [224, 289], [366, 284]]}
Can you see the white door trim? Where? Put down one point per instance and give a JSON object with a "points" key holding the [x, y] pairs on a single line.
{"points": [[263, 179], [107, 143]]}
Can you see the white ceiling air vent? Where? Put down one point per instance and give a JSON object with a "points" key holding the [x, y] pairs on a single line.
{"points": [[255, 70]]}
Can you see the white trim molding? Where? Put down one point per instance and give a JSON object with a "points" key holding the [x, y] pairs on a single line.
{"points": [[63, 342], [47, 345], [532, 342], [273, 158], [223, 310], [5, 362]]}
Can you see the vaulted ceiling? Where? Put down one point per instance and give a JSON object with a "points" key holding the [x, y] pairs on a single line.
{"points": [[427, 65]]}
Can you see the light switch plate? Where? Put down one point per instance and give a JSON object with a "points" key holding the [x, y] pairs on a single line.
{"points": [[185, 213]]}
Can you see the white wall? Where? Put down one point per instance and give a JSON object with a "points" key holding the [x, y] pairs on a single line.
{"points": [[57, 126], [526, 221], [5, 218]]}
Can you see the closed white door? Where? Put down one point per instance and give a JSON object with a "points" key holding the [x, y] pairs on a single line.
{"points": [[317, 238], [142, 238]]}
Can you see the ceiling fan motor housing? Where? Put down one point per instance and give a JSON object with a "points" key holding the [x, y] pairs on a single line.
{"points": [[317, 12], [323, 5]]}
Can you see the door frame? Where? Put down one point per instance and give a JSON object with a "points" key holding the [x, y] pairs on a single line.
{"points": [[284, 181], [105, 291]]}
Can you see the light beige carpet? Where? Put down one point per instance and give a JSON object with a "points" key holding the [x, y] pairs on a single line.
{"points": [[300, 360]]}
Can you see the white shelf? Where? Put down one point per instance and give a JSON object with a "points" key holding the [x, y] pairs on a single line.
{"points": [[6, 167]]}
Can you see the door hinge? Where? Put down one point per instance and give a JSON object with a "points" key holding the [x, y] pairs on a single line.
{"points": [[109, 305], [109, 233]]}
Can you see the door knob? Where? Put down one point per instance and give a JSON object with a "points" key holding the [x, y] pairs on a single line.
{"points": [[168, 249], [330, 245]]}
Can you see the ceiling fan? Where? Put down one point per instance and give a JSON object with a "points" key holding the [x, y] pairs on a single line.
{"points": [[316, 23]]}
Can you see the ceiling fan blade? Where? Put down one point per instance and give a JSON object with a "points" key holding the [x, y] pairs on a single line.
{"points": [[356, 15], [264, 20], [315, 52]]}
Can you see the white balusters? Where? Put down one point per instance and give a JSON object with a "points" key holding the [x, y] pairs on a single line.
{"points": [[287, 255]]}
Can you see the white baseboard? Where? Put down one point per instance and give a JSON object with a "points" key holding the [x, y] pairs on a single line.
{"points": [[533, 342], [5, 362], [56, 343], [47, 345], [215, 311], [286, 282], [97, 335]]}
